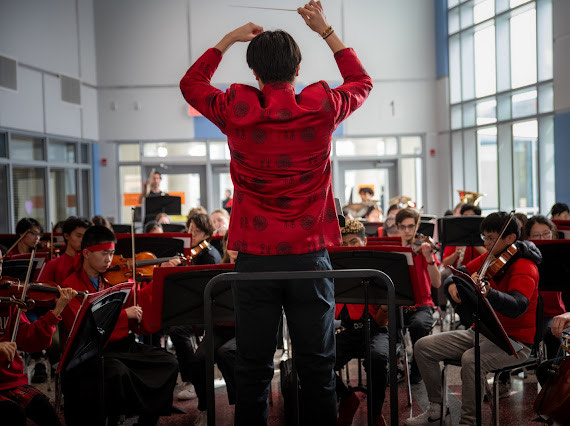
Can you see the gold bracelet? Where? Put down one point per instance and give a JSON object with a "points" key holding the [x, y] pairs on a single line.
{"points": [[328, 35], [327, 32]]}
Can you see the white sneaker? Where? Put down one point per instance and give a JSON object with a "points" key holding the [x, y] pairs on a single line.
{"points": [[202, 419], [430, 417], [187, 392]]}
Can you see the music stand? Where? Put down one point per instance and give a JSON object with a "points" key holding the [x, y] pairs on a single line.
{"points": [[168, 204], [485, 321], [460, 231], [17, 268], [93, 326], [426, 227], [554, 265]]}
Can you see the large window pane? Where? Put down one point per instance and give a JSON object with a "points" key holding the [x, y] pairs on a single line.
{"points": [[486, 112], [411, 178], [85, 157], [455, 69], [85, 191], [219, 151], [488, 167], [172, 149], [27, 148], [525, 159], [523, 49], [4, 212], [29, 193], [524, 103], [363, 147], [453, 21], [411, 145], [61, 152], [129, 152], [63, 194], [485, 80], [467, 66], [130, 187], [483, 9]]}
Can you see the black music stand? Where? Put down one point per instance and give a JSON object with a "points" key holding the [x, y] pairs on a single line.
{"points": [[159, 246], [554, 265], [174, 227], [93, 326], [168, 204], [426, 227], [486, 322], [370, 286], [17, 268], [460, 231]]}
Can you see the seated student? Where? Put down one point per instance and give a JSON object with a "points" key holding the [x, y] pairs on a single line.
{"points": [[350, 342], [221, 221], [389, 229], [153, 227], [560, 211], [162, 218], [101, 221], [457, 256], [58, 269], [138, 379], [224, 356], [18, 400], [539, 227], [419, 318], [33, 232], [201, 228], [513, 298]]}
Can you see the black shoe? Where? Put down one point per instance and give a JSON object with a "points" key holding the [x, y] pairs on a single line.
{"points": [[40, 373], [415, 378]]}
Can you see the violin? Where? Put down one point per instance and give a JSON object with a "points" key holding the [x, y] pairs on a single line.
{"points": [[420, 239], [38, 294], [12, 301], [121, 268], [496, 269]]}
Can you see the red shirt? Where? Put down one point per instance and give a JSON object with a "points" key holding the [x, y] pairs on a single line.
{"points": [[522, 276], [280, 145], [58, 269], [33, 337], [553, 303], [355, 311], [422, 291], [470, 254]]}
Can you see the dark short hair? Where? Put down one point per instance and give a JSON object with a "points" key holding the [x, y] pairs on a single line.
{"points": [[27, 223], [157, 173], [97, 234], [472, 207], [366, 190], [72, 223], [101, 221], [543, 220], [274, 56], [559, 208], [203, 223], [495, 222], [407, 213], [151, 225], [392, 208]]}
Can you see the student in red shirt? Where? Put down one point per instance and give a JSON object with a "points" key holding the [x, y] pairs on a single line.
{"points": [[33, 232], [513, 298], [18, 400], [138, 379], [418, 318], [283, 214], [58, 269]]}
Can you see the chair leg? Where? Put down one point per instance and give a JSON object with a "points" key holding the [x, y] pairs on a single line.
{"points": [[443, 394], [407, 373], [495, 403]]}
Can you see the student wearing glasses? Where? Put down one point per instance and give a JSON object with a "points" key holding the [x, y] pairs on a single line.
{"points": [[539, 227], [419, 318], [33, 232]]}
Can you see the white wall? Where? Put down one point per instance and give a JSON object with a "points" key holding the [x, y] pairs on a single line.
{"points": [[49, 39]]}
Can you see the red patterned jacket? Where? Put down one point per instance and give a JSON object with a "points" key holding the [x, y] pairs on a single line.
{"points": [[280, 145]]}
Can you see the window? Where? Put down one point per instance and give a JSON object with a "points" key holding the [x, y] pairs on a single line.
{"points": [[26, 148], [500, 79], [4, 207], [3, 150], [63, 194], [62, 152], [29, 193]]}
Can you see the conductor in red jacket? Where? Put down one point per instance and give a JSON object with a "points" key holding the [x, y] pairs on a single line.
{"points": [[283, 214]]}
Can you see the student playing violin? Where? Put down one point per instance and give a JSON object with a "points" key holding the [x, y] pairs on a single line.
{"points": [[514, 299], [18, 400]]}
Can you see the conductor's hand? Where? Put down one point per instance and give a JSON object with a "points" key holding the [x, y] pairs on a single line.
{"points": [[559, 323], [314, 16], [65, 295], [7, 351], [454, 293], [134, 312], [246, 32]]}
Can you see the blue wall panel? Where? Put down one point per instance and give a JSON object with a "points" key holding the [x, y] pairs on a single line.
{"points": [[561, 157]]}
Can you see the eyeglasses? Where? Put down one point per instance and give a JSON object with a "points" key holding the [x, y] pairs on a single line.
{"points": [[546, 235], [404, 227], [489, 239], [34, 233]]}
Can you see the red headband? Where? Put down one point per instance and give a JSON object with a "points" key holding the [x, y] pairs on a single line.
{"points": [[103, 246]]}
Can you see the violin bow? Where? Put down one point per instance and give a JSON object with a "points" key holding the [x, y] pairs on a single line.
{"points": [[51, 242], [23, 298], [16, 243], [134, 254], [485, 265]]}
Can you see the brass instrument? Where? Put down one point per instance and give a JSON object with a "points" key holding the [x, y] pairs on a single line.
{"points": [[402, 202], [470, 197]]}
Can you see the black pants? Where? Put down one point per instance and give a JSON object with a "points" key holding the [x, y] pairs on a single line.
{"points": [[350, 343], [38, 409], [181, 336], [309, 307], [224, 356], [419, 323]]}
